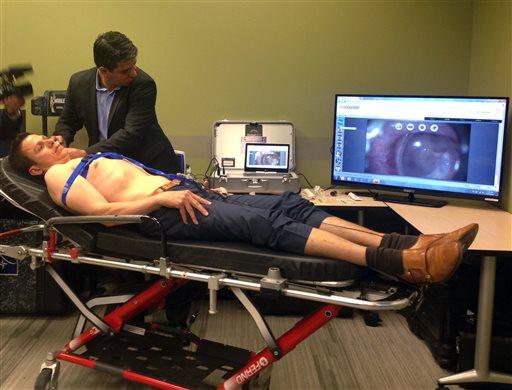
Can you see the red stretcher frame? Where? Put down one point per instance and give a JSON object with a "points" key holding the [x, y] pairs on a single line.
{"points": [[153, 296]]}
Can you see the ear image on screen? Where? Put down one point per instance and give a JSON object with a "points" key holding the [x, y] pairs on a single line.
{"points": [[267, 157], [417, 149], [433, 145]]}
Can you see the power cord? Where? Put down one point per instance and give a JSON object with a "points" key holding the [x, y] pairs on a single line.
{"points": [[305, 178], [210, 170]]}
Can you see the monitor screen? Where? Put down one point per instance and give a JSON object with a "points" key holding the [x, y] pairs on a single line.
{"points": [[449, 145], [266, 157]]}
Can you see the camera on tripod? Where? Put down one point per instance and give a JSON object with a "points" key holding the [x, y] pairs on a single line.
{"points": [[8, 84]]}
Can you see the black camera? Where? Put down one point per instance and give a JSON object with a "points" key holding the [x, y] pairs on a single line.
{"points": [[8, 85], [50, 104]]}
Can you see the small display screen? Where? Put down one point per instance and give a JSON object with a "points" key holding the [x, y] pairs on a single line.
{"points": [[266, 157]]}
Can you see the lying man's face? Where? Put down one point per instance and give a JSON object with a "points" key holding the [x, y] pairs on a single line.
{"points": [[44, 152]]}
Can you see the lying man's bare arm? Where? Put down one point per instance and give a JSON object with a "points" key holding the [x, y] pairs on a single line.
{"points": [[83, 198]]}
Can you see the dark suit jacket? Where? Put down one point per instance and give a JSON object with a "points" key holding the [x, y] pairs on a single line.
{"points": [[133, 129], [8, 130]]}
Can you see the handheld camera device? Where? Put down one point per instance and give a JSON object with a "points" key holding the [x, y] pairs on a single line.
{"points": [[8, 84]]}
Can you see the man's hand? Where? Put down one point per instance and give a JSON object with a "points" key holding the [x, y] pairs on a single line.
{"points": [[59, 138], [185, 201], [12, 105], [72, 152], [76, 153], [222, 192]]}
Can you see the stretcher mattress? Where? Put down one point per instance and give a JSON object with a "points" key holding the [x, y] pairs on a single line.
{"points": [[30, 193]]}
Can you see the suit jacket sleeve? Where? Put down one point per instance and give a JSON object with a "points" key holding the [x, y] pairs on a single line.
{"points": [[69, 122], [9, 127], [141, 116]]}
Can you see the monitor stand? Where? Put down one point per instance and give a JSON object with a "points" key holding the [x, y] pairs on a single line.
{"points": [[410, 200]]}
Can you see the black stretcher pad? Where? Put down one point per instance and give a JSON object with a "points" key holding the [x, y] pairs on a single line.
{"points": [[30, 193]]}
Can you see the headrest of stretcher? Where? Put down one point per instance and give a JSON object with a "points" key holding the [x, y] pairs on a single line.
{"points": [[30, 193]]}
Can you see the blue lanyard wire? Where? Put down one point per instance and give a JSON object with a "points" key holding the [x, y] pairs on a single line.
{"points": [[83, 168]]}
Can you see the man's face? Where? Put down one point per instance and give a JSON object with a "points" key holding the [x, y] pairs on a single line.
{"points": [[44, 151], [122, 76]]}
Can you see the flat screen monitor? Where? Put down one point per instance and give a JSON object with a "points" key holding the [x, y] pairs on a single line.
{"points": [[449, 146], [266, 157]]}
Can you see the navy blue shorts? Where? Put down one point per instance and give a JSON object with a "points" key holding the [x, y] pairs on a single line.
{"points": [[279, 222]]}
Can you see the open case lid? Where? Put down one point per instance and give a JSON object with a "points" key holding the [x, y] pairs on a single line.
{"points": [[230, 137]]}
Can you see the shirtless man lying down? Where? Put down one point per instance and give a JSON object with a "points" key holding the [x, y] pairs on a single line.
{"points": [[111, 184]]}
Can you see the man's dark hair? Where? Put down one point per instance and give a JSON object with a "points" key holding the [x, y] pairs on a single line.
{"points": [[17, 158], [112, 47]]}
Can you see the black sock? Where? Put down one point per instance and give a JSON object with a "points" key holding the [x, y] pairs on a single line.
{"points": [[386, 260], [398, 241]]}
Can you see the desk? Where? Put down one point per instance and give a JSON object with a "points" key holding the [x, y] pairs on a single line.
{"points": [[495, 232], [326, 200], [494, 238]]}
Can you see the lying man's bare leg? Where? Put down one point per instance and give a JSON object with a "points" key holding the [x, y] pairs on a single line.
{"points": [[433, 263], [326, 244], [351, 231], [367, 237]]}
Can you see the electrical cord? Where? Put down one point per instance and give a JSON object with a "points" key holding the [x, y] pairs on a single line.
{"points": [[354, 229], [305, 178], [207, 173]]}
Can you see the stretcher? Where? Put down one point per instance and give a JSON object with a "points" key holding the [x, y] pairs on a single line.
{"points": [[157, 355]]}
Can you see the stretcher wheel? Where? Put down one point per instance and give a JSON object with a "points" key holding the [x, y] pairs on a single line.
{"points": [[371, 318], [44, 379], [262, 382]]}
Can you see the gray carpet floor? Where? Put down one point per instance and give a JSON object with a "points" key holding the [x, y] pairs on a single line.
{"points": [[345, 354]]}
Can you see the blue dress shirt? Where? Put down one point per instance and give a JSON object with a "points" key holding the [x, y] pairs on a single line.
{"points": [[104, 99]]}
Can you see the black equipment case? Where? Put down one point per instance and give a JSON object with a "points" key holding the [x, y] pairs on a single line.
{"points": [[446, 318], [23, 290]]}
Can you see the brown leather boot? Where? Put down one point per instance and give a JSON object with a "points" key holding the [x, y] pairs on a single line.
{"points": [[465, 235], [432, 264]]}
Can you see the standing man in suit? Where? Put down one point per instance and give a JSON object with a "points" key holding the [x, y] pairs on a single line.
{"points": [[115, 101]]}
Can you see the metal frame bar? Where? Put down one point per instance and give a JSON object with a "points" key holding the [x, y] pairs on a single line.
{"points": [[86, 312], [148, 298], [15, 204], [203, 276], [262, 325], [99, 301]]}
